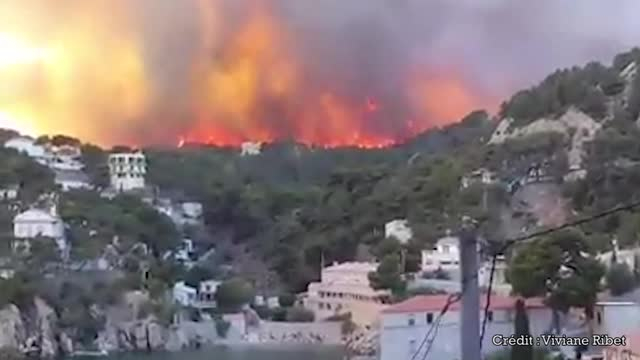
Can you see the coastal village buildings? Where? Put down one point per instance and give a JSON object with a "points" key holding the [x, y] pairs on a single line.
{"points": [[445, 255], [127, 171], [620, 256], [36, 223], [66, 158], [9, 192], [204, 297], [29, 147], [181, 213], [72, 180], [480, 176], [403, 326], [184, 295], [345, 288], [65, 161], [207, 293], [251, 148], [617, 315]]}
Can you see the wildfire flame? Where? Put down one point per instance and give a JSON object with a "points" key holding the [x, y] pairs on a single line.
{"points": [[247, 79]]}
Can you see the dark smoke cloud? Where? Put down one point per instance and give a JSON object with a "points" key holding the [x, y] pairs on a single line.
{"points": [[500, 45]]}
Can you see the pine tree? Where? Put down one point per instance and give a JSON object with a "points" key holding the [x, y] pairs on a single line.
{"points": [[521, 330]]}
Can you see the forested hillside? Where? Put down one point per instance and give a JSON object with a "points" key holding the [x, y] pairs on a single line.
{"points": [[292, 205]]}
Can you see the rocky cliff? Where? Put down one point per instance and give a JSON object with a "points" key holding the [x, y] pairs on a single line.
{"points": [[35, 330], [32, 331]]}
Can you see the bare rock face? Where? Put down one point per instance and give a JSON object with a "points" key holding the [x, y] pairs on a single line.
{"points": [[34, 332], [578, 126], [12, 330], [145, 335], [45, 330]]}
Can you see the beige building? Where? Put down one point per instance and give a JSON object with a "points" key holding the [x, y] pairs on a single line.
{"points": [[344, 288]]}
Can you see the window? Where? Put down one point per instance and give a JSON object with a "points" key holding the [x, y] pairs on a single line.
{"points": [[490, 316], [599, 317], [412, 348], [328, 306], [412, 320], [429, 318], [320, 306]]}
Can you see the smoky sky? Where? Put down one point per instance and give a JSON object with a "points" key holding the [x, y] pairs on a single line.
{"points": [[353, 46], [499, 45]]}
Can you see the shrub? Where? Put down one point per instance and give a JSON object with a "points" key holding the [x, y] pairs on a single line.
{"points": [[279, 314], [300, 314], [233, 294], [287, 300]]}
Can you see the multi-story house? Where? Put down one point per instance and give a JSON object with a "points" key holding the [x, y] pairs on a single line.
{"points": [[127, 171], [345, 288]]}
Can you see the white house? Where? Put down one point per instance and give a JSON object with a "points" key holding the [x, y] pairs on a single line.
{"points": [[345, 288], [9, 192], [192, 210], [403, 326], [207, 293], [184, 294], [127, 171], [626, 256], [480, 176], [499, 284], [251, 148], [618, 315], [66, 157], [398, 229], [445, 255], [186, 213], [72, 179], [28, 146], [35, 223]]}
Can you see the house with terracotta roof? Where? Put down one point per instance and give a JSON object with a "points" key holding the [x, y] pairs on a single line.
{"points": [[404, 326]]}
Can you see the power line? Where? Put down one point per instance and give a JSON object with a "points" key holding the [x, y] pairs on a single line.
{"points": [[508, 243], [453, 298], [567, 225], [433, 339], [534, 236]]}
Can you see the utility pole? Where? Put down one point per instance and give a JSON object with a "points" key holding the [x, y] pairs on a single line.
{"points": [[470, 321]]}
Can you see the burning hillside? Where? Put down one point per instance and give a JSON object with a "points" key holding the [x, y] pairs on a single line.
{"points": [[367, 73]]}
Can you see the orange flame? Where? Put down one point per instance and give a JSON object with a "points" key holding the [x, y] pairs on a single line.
{"points": [[88, 76]]}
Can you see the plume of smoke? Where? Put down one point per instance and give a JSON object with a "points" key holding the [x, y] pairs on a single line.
{"points": [[356, 48]]}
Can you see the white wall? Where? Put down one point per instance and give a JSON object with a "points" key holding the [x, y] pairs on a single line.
{"points": [[127, 171], [31, 230], [618, 320]]}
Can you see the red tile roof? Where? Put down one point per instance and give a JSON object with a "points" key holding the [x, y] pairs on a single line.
{"points": [[435, 303]]}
